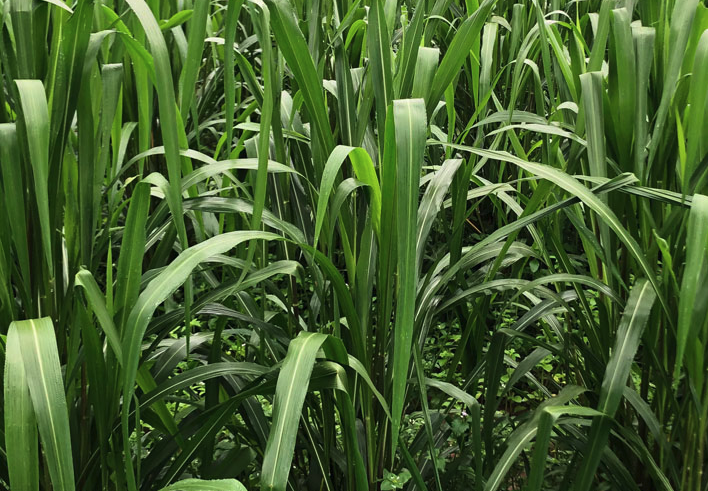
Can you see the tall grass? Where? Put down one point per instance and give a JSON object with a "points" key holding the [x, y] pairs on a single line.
{"points": [[361, 245]]}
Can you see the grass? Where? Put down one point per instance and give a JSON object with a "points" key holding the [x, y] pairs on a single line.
{"points": [[362, 245]]}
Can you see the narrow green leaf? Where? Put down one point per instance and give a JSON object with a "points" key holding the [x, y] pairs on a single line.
{"points": [[597, 55], [131, 257], [695, 126], [411, 129], [233, 10], [97, 302], [38, 349], [35, 117], [408, 56], [204, 485], [693, 278], [262, 25], [10, 165], [623, 83], [20, 423], [179, 18], [60, 4], [644, 50], [592, 100], [425, 72], [364, 169], [195, 47], [379, 45], [431, 203], [289, 397], [22, 20]]}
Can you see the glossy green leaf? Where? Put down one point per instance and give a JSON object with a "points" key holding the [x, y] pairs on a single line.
{"points": [[20, 423], [410, 123], [206, 485], [38, 350], [35, 117], [287, 406]]}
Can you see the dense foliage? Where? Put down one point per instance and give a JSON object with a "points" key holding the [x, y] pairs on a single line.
{"points": [[354, 244]]}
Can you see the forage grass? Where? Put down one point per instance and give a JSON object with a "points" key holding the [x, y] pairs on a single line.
{"points": [[353, 244]]}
